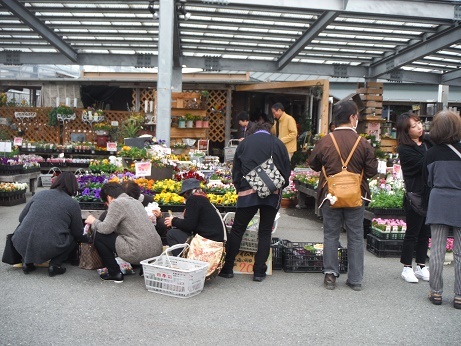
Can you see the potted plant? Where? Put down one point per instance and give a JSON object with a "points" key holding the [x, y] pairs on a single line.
{"points": [[214, 179], [62, 110], [132, 125], [102, 128], [178, 148], [190, 120], [198, 121], [181, 122]]}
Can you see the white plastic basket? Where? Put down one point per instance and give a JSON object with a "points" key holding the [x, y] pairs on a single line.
{"points": [[47, 179], [250, 237], [174, 276]]}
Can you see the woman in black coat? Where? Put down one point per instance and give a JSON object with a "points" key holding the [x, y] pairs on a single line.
{"points": [[251, 152], [413, 145]]}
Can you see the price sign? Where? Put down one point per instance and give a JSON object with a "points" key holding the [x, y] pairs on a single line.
{"points": [[5, 147], [111, 146], [143, 169], [17, 141], [244, 262]]}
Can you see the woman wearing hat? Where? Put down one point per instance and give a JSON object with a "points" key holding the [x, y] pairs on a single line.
{"points": [[200, 216]]}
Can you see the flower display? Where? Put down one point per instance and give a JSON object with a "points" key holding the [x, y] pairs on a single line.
{"points": [[168, 198], [102, 126], [13, 187], [448, 247], [102, 166], [388, 225], [189, 174], [308, 177], [386, 193], [219, 189], [167, 185], [228, 199], [89, 187]]}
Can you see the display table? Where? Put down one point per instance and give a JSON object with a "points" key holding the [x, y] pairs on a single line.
{"points": [[31, 178]]}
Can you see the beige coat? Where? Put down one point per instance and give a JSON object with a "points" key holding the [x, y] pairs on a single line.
{"points": [[288, 132], [137, 238]]}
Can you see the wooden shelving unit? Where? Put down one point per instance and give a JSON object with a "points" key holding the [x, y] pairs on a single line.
{"points": [[182, 104]]}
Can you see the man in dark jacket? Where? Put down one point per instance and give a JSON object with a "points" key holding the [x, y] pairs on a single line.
{"points": [[363, 160]]}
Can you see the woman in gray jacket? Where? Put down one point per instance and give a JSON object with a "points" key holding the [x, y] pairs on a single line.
{"points": [[50, 224], [126, 230]]}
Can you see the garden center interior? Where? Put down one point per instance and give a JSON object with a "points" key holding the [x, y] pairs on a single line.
{"points": [[152, 64]]}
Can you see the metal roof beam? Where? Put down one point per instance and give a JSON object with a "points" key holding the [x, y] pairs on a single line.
{"points": [[310, 34], [396, 8], [449, 76], [415, 52], [20, 11]]}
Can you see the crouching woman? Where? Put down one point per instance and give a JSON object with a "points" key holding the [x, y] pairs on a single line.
{"points": [[126, 231]]}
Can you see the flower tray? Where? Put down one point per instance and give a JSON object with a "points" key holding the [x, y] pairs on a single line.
{"points": [[77, 164], [384, 248], [30, 170], [45, 164], [387, 211], [16, 199], [387, 235], [10, 169], [296, 259], [92, 205], [12, 193]]}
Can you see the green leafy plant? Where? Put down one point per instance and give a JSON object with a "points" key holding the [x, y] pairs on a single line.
{"points": [[132, 126], [53, 114], [190, 116]]}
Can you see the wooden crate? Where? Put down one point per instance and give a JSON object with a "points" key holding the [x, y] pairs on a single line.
{"points": [[388, 145]]}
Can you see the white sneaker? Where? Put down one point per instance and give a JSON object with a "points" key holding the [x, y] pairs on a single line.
{"points": [[422, 274], [408, 275]]}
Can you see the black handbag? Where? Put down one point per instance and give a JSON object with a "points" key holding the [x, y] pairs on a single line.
{"points": [[416, 202], [10, 254], [265, 178]]}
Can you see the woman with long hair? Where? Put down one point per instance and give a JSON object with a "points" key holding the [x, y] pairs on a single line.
{"points": [[413, 144]]}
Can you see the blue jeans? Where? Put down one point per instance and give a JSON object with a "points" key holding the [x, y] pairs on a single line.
{"points": [[333, 221]]}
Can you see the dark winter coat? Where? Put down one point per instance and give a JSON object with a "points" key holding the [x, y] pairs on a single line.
{"points": [[49, 224], [200, 217], [442, 167], [251, 152]]}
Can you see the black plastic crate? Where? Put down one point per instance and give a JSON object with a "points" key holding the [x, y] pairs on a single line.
{"points": [[277, 253], [384, 248], [296, 259]]}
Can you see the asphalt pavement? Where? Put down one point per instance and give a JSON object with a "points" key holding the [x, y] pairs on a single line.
{"points": [[78, 308]]}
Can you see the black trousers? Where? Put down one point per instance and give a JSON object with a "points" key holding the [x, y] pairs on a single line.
{"points": [[416, 237], [105, 244], [57, 260], [176, 236], [242, 217]]}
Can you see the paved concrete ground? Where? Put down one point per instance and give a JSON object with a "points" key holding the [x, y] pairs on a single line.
{"points": [[78, 308]]}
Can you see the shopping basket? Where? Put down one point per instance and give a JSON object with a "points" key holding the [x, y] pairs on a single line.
{"points": [[250, 237], [174, 276], [229, 151]]}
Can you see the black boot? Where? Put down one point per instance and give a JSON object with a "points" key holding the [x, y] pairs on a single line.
{"points": [[55, 270], [28, 267]]}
